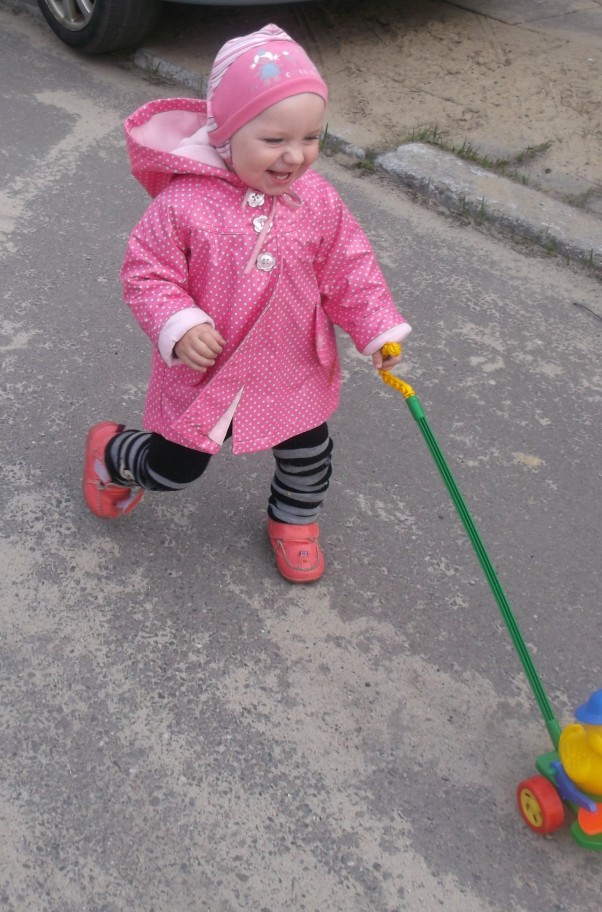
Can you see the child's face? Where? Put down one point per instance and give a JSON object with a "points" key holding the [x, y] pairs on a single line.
{"points": [[280, 144]]}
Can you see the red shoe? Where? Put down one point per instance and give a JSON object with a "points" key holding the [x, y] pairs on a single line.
{"points": [[298, 554], [105, 498]]}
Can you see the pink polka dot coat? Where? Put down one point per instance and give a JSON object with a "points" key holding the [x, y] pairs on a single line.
{"points": [[279, 372]]}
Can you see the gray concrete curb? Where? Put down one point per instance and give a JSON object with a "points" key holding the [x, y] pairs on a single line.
{"points": [[170, 72], [465, 188], [461, 187]]}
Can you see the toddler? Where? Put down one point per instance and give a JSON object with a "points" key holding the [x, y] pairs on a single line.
{"points": [[238, 272]]}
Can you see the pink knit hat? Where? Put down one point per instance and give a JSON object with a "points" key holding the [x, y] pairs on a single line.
{"points": [[251, 73]]}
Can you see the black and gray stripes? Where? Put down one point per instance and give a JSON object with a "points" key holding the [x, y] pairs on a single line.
{"points": [[301, 478], [149, 461], [303, 469]]}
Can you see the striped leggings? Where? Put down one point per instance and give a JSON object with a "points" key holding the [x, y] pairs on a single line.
{"points": [[299, 485]]}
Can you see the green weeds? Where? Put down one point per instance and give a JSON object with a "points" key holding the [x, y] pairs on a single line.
{"points": [[505, 166]]}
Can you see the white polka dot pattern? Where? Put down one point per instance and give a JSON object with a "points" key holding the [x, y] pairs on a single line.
{"points": [[191, 247]]}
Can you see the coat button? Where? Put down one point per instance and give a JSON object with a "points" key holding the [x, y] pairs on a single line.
{"points": [[259, 222], [265, 262], [255, 199]]}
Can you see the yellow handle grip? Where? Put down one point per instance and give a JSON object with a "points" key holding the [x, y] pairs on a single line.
{"points": [[389, 350]]}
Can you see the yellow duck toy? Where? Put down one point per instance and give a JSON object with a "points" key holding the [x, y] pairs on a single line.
{"points": [[580, 746]]}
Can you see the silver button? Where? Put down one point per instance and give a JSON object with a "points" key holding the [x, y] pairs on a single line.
{"points": [[258, 223], [255, 199], [265, 262]]}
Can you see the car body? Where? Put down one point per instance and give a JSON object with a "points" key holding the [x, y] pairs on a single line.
{"points": [[97, 26]]}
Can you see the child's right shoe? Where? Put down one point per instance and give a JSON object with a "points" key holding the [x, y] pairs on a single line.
{"points": [[299, 557], [104, 497]]}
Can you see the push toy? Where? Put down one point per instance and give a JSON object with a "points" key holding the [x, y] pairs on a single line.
{"points": [[570, 775]]}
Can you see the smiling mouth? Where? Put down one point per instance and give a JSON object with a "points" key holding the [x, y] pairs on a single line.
{"points": [[281, 177]]}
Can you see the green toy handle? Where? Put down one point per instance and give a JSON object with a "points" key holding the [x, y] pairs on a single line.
{"points": [[415, 407]]}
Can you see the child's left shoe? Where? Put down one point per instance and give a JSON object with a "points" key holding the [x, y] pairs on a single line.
{"points": [[299, 557], [105, 498]]}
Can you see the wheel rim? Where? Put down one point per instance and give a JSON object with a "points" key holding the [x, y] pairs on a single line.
{"points": [[531, 808], [540, 805], [73, 15]]}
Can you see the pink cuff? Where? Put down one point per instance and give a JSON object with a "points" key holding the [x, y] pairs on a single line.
{"points": [[176, 327], [396, 334]]}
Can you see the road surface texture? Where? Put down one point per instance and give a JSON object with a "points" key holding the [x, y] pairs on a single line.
{"points": [[183, 731]]}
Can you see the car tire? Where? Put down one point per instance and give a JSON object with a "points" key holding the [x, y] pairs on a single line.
{"points": [[98, 26]]}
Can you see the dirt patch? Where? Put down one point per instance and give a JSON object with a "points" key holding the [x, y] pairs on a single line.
{"points": [[510, 92]]}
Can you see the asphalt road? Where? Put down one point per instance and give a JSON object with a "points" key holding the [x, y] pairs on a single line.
{"points": [[182, 731]]}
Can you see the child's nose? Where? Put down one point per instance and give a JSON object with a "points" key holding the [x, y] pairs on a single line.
{"points": [[293, 154]]}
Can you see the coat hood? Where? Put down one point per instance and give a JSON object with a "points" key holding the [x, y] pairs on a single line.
{"points": [[168, 137]]}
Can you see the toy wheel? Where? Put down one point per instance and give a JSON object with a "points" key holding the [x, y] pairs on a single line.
{"points": [[540, 805]]}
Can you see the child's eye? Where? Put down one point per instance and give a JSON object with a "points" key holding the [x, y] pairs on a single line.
{"points": [[272, 141], [312, 139]]}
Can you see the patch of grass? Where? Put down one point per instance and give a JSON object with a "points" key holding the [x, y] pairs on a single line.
{"points": [[549, 243], [468, 152], [367, 163], [580, 200], [326, 140], [424, 134], [530, 153], [482, 211], [432, 135]]}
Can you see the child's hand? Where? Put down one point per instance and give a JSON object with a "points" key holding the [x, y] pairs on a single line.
{"points": [[199, 347], [381, 363]]}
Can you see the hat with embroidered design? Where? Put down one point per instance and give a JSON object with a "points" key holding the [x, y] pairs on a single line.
{"points": [[252, 73]]}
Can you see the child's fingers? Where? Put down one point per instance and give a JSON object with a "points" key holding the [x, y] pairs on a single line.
{"points": [[213, 340], [204, 332], [206, 341], [200, 346], [388, 356], [196, 354], [207, 348], [210, 336], [388, 363], [190, 359], [196, 360]]}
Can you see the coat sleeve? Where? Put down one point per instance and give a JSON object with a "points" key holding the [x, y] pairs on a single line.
{"points": [[354, 292], [155, 269]]}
